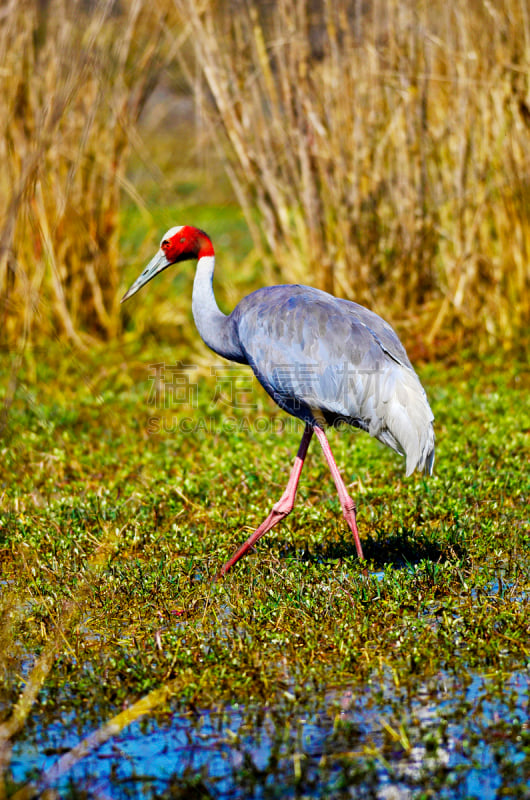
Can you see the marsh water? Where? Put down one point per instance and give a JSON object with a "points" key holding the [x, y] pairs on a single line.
{"points": [[453, 736]]}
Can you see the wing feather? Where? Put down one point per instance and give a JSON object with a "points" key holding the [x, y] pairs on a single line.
{"points": [[320, 356]]}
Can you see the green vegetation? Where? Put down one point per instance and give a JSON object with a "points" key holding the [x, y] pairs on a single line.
{"points": [[113, 537]]}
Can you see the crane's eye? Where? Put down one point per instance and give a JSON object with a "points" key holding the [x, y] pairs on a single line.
{"points": [[182, 239], [165, 243]]}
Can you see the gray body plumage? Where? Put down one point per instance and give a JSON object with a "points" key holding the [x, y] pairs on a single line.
{"points": [[324, 360]]}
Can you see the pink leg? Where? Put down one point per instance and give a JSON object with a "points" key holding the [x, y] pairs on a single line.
{"points": [[280, 509], [347, 504]]}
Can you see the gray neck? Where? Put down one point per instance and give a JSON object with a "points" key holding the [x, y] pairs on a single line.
{"points": [[216, 329]]}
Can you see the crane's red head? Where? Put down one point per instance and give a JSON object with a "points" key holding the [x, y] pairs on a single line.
{"points": [[178, 244], [184, 242]]}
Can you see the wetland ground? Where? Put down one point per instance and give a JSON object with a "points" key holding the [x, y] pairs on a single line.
{"points": [[126, 484]]}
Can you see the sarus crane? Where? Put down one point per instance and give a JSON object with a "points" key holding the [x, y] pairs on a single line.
{"points": [[321, 358]]}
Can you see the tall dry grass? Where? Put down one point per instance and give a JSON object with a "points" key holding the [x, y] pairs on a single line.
{"points": [[74, 77], [379, 149]]}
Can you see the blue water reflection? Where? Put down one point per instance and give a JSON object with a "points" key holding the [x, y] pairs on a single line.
{"points": [[457, 737]]}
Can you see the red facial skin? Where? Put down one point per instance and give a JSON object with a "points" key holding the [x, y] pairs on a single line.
{"points": [[188, 243]]}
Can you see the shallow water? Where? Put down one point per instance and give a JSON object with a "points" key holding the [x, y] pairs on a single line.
{"points": [[455, 737]]}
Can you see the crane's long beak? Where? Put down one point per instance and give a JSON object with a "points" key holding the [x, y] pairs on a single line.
{"points": [[156, 265]]}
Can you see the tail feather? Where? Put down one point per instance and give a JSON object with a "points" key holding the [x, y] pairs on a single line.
{"points": [[405, 419]]}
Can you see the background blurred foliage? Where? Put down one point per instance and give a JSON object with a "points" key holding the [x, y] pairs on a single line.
{"points": [[74, 79], [379, 150]]}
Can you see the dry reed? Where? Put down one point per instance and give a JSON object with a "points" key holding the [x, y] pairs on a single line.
{"points": [[380, 150], [73, 81]]}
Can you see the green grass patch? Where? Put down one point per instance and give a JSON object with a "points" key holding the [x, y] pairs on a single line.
{"points": [[113, 530]]}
